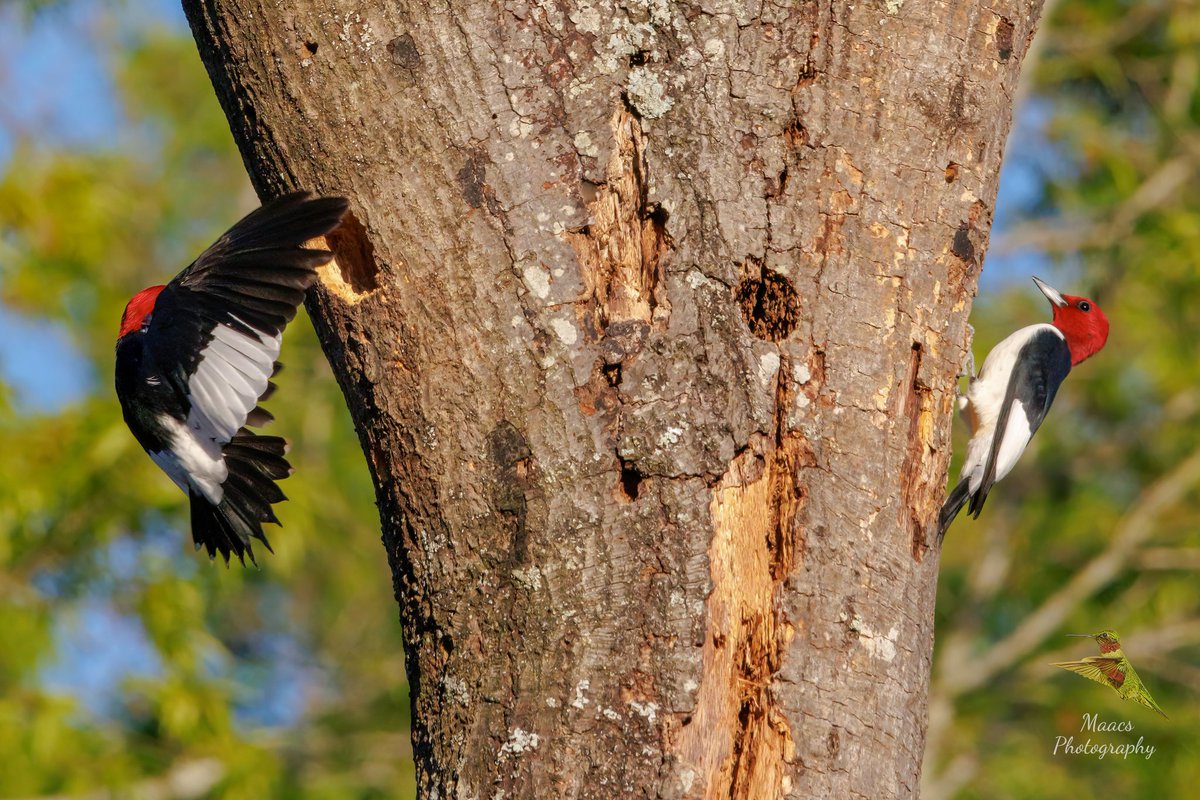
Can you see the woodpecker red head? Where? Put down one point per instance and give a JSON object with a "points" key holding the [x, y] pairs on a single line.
{"points": [[138, 309], [1080, 320], [195, 358], [1006, 403]]}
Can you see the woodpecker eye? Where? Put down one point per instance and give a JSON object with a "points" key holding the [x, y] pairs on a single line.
{"points": [[1084, 305]]}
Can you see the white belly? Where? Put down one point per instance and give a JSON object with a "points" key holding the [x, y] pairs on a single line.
{"points": [[193, 465]]}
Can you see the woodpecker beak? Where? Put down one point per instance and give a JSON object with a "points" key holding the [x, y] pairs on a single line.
{"points": [[1053, 296]]}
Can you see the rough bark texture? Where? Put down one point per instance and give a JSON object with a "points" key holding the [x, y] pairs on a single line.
{"points": [[648, 317]]}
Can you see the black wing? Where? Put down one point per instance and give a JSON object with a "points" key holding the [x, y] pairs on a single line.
{"points": [[250, 282], [1042, 364]]}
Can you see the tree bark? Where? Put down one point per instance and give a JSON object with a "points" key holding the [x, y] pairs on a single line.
{"points": [[648, 316]]}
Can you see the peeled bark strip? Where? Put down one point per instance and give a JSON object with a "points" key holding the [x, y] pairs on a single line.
{"points": [[621, 249], [648, 318]]}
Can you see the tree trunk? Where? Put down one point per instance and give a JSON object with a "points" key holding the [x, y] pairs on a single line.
{"points": [[648, 316]]}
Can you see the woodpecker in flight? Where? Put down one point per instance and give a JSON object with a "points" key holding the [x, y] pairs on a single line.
{"points": [[1007, 401], [195, 358]]}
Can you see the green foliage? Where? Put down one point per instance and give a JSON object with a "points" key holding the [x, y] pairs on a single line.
{"points": [[87, 521], [1109, 475]]}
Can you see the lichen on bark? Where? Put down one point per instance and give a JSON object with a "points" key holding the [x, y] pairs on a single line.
{"points": [[648, 323]]}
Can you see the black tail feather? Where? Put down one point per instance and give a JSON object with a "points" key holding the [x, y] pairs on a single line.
{"points": [[954, 503], [268, 459], [255, 463], [215, 531], [259, 416], [977, 501]]}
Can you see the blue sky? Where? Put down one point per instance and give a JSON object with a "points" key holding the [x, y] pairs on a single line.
{"points": [[54, 86], [52, 81]]}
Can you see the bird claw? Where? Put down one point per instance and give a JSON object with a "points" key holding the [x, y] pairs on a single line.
{"points": [[969, 371], [963, 401]]}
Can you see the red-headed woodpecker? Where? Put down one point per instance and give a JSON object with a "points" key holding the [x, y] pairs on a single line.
{"points": [[195, 357], [1007, 401]]}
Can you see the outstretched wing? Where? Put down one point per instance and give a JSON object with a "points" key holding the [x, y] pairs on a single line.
{"points": [[1098, 669], [215, 330], [1041, 365]]}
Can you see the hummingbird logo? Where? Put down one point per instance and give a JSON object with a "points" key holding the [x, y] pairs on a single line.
{"points": [[1112, 668]]}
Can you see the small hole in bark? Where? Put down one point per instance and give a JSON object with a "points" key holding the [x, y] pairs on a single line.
{"points": [[612, 374], [638, 59], [744, 716], [1004, 38], [404, 52], [311, 47], [630, 107], [355, 255], [795, 134], [808, 74], [962, 246], [769, 304], [631, 480], [588, 191], [472, 179]]}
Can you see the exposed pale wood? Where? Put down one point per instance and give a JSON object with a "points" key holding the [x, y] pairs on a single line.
{"points": [[739, 742], [648, 320]]}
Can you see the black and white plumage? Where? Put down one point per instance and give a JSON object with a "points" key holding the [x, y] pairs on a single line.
{"points": [[1004, 406], [1007, 401], [195, 358]]}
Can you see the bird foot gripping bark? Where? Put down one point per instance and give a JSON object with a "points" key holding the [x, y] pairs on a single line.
{"points": [[968, 368]]}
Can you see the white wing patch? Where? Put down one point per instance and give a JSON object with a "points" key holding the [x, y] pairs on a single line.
{"points": [[1016, 438], [984, 399], [232, 374], [194, 464]]}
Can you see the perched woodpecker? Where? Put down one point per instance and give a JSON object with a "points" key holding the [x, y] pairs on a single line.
{"points": [[1007, 401], [195, 358]]}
